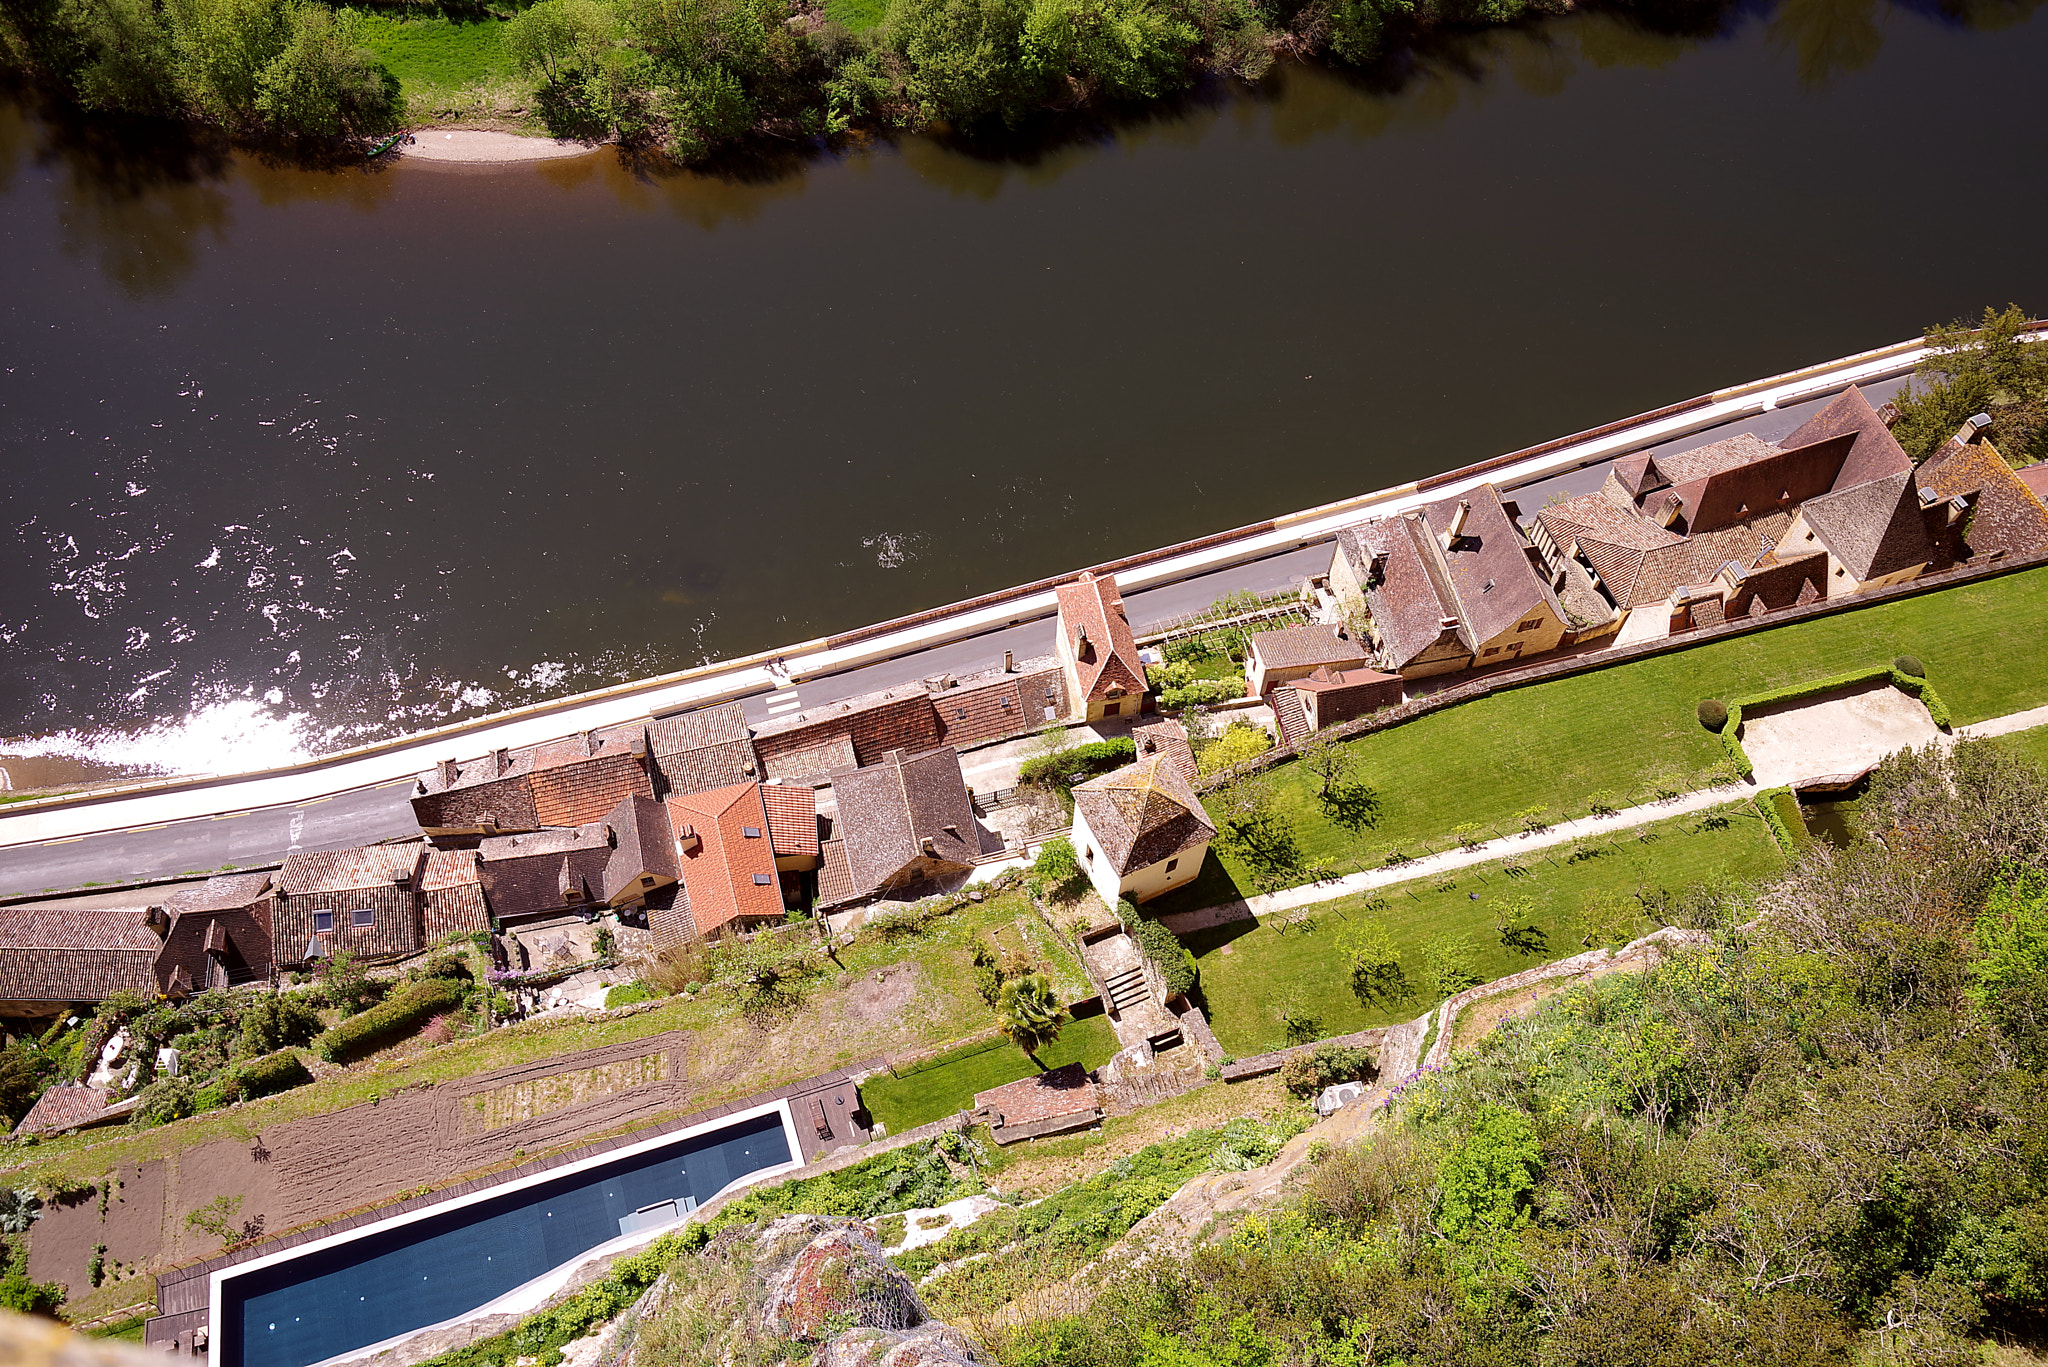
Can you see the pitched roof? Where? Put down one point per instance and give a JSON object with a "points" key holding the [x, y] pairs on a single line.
{"points": [[82, 955], [835, 878], [847, 732], [1299, 647], [1408, 602], [1874, 529], [709, 748], [1091, 606], [1682, 467], [1327, 680], [1488, 566], [644, 844], [888, 810], [724, 871], [1143, 813], [366, 866], [222, 892], [2009, 514], [524, 874], [579, 789], [792, 818], [995, 704], [1874, 452], [64, 1107], [1783, 583], [1777, 480], [2035, 477], [1169, 738], [451, 869]]}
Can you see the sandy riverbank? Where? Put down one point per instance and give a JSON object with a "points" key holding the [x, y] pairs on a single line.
{"points": [[474, 146]]}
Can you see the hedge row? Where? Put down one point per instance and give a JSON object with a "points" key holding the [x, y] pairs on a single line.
{"points": [[276, 1072], [1094, 757], [1780, 810], [400, 1015], [1177, 971]]}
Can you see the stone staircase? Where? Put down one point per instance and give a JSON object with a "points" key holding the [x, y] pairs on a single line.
{"points": [[1126, 990]]}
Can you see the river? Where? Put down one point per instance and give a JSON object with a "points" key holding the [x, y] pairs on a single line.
{"points": [[295, 458]]}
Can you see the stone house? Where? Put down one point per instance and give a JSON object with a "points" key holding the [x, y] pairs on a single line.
{"points": [[732, 847], [1096, 651], [365, 900], [695, 752], [52, 961], [562, 783], [906, 821], [1272, 658], [1451, 585], [219, 933], [1329, 697], [1140, 831], [2002, 512], [620, 863]]}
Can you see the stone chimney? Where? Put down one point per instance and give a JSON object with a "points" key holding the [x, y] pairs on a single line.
{"points": [[447, 771], [1456, 526], [501, 761]]}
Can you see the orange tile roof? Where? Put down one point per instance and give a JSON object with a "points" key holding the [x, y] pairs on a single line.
{"points": [[1093, 603], [580, 790], [792, 818], [728, 873]]}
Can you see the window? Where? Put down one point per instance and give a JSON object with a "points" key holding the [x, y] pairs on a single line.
{"points": [[751, 832], [1088, 853], [323, 922], [1172, 864], [762, 880], [1809, 536], [1530, 625], [360, 917], [646, 881], [1839, 571], [1491, 650]]}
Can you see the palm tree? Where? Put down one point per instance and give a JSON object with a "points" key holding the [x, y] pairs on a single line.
{"points": [[1030, 1014]]}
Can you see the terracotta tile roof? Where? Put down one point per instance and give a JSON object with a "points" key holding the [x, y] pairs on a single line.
{"points": [[1874, 529], [1092, 606], [64, 1107], [1488, 566], [1296, 647], [1065, 1090], [994, 705], [452, 895], [1696, 559], [887, 811], [366, 866], [75, 956], [706, 749], [643, 846], [858, 730], [2035, 477], [2009, 514], [728, 872], [1169, 738], [792, 819], [835, 878], [574, 791], [1874, 453], [1142, 813]]}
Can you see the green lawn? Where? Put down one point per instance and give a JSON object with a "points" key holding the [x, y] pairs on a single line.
{"points": [[941, 1086], [1248, 975], [437, 54], [1624, 731], [2030, 745], [857, 14]]}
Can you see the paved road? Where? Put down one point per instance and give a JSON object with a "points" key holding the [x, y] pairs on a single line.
{"points": [[366, 814]]}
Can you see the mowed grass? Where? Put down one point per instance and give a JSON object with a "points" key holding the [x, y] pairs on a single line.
{"points": [[438, 54], [857, 15], [1249, 975], [1623, 732], [948, 1083]]}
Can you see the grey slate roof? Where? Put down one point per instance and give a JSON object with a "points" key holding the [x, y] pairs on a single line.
{"points": [[1874, 529], [1307, 646]]}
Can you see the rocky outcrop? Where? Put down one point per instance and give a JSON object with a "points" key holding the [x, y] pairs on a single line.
{"points": [[928, 1345], [837, 1280]]}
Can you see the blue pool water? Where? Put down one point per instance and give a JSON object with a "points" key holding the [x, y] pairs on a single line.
{"points": [[388, 1283]]}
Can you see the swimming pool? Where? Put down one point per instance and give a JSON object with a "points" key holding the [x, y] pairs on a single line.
{"points": [[383, 1280]]}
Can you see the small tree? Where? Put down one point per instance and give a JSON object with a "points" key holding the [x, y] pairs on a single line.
{"points": [[1447, 963], [1238, 743], [346, 983], [1375, 964], [1346, 797], [217, 1218], [1030, 1014], [1990, 368]]}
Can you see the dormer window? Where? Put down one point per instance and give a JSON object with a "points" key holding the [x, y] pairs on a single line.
{"points": [[762, 880], [646, 881]]}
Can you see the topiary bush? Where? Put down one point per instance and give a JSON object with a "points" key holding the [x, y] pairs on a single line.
{"points": [[1910, 664], [273, 1073], [1713, 714], [398, 1016]]}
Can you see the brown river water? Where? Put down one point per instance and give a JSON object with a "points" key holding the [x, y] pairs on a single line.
{"points": [[295, 458]]}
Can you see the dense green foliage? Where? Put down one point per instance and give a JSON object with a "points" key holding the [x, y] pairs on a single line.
{"points": [[1176, 967], [1239, 742], [1029, 1013], [271, 1073], [384, 1023], [1062, 769], [1779, 808], [272, 1023], [1819, 1137], [908, 1178], [17, 1292], [1990, 369], [1309, 1072], [1713, 714]]}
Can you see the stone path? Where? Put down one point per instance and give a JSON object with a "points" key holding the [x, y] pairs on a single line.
{"points": [[1845, 731]]}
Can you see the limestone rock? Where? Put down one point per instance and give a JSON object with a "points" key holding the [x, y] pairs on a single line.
{"points": [[838, 1280], [928, 1345]]}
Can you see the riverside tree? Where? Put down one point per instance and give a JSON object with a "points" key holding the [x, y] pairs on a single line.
{"points": [[1990, 368]]}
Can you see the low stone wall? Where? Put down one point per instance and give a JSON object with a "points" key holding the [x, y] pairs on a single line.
{"points": [[1258, 1065]]}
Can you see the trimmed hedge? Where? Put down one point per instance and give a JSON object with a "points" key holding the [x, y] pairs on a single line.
{"points": [[1177, 970], [1713, 714], [276, 1072], [1096, 757], [399, 1015], [1731, 733], [1920, 688], [1780, 811], [1910, 664]]}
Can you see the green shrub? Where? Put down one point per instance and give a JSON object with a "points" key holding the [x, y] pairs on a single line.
{"points": [[1200, 693], [1177, 970], [1057, 868], [17, 1292], [890, 1229], [1307, 1073], [988, 975], [165, 1100], [1780, 811], [1713, 714], [273, 1023], [451, 966], [1096, 757], [272, 1073], [1239, 742], [1910, 664], [542, 1335], [625, 994], [380, 1025]]}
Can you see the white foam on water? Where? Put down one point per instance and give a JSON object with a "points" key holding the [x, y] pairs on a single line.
{"points": [[226, 737]]}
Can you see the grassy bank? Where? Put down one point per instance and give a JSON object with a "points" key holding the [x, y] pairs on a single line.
{"points": [[1252, 974], [941, 1086], [1627, 731]]}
